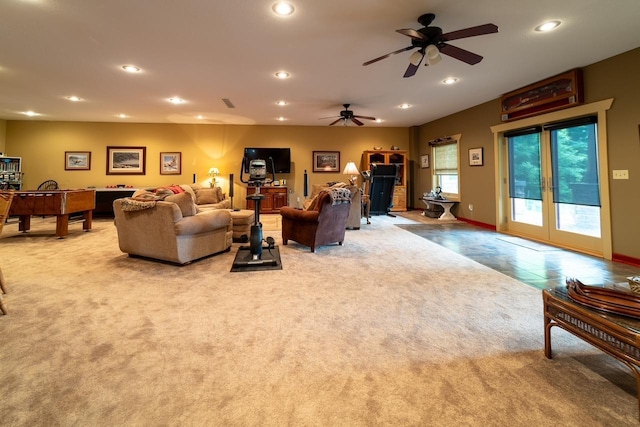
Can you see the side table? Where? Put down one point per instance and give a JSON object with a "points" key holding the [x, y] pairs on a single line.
{"points": [[366, 205], [446, 205], [618, 336]]}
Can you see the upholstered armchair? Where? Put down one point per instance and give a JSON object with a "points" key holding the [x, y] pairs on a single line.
{"points": [[355, 213], [171, 230], [324, 222]]}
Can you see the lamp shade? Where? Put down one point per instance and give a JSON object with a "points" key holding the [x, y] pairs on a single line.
{"points": [[433, 54], [350, 169], [214, 172]]}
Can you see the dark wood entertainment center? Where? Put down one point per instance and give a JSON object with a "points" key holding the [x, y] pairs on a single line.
{"points": [[276, 197]]}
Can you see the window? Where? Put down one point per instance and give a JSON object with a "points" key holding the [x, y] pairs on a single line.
{"points": [[445, 167]]}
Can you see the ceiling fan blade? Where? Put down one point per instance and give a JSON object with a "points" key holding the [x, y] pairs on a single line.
{"points": [[470, 32], [330, 117], [334, 122], [388, 55], [460, 54], [356, 121], [410, 32], [365, 117]]}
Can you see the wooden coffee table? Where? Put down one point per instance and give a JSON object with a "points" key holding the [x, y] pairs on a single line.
{"points": [[618, 336]]}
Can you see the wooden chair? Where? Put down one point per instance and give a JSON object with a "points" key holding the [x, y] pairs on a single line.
{"points": [[48, 185], [5, 203]]}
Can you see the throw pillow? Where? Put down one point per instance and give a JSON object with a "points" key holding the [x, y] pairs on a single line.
{"points": [[184, 202], [175, 188], [207, 195]]}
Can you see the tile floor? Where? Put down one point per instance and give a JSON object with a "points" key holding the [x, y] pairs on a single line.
{"points": [[535, 264]]}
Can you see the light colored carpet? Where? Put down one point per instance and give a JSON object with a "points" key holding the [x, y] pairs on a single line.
{"points": [[389, 329]]}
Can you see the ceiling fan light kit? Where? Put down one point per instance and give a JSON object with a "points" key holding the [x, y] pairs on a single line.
{"points": [[431, 42], [433, 54]]}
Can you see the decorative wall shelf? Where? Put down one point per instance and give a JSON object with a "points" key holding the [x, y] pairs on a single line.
{"points": [[555, 93]]}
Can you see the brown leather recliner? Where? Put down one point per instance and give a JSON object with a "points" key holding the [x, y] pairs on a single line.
{"points": [[318, 226]]}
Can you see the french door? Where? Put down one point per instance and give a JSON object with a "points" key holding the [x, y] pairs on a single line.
{"points": [[553, 184]]}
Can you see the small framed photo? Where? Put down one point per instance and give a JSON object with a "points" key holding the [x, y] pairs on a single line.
{"points": [[171, 163], [475, 157], [126, 160], [424, 161], [77, 160], [326, 161]]}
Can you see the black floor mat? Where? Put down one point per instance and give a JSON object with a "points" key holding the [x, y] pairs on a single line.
{"points": [[242, 261]]}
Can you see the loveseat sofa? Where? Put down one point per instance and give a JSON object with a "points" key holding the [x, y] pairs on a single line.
{"points": [[171, 229], [204, 198]]}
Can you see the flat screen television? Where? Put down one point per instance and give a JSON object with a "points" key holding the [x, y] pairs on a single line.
{"points": [[281, 158]]}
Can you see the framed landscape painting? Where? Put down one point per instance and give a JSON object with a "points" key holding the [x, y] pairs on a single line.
{"points": [[326, 161], [126, 160], [77, 160]]}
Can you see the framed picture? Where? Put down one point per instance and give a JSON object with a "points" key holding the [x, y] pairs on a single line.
{"points": [[126, 160], [77, 160], [326, 161], [475, 157], [424, 161], [171, 163]]}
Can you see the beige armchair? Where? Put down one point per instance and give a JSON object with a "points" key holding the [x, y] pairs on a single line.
{"points": [[163, 232]]}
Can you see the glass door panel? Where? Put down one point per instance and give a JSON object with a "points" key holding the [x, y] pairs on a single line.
{"points": [[554, 192], [526, 184]]}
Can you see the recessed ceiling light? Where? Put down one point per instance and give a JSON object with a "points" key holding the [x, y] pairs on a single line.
{"points": [[282, 75], [131, 68], [122, 116], [176, 100], [283, 8], [199, 117], [548, 26], [405, 106], [281, 119], [450, 80], [73, 98], [281, 103], [379, 120], [30, 113]]}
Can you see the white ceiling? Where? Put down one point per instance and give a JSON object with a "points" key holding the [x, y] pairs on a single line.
{"points": [[206, 50]]}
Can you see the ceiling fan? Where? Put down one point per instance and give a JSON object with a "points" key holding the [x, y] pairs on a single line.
{"points": [[346, 115], [430, 42]]}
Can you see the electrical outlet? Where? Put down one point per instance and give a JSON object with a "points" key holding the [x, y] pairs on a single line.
{"points": [[298, 199], [470, 207], [621, 174]]}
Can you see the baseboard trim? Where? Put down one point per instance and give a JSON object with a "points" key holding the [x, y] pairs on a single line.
{"points": [[625, 259], [478, 224]]}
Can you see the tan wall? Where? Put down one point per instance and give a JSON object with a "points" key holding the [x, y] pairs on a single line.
{"points": [[42, 145], [476, 182], [3, 130], [615, 78]]}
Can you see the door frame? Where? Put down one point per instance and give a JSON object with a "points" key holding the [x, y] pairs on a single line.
{"points": [[501, 173]]}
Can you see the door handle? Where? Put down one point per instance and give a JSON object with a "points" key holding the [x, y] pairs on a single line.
{"points": [[542, 184]]}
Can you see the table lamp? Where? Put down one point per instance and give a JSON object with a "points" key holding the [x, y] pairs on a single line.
{"points": [[351, 169], [213, 172]]}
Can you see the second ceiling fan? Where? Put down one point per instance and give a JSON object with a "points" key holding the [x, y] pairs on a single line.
{"points": [[430, 42], [347, 115]]}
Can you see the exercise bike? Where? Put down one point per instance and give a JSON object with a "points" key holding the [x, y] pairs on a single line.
{"points": [[253, 255]]}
